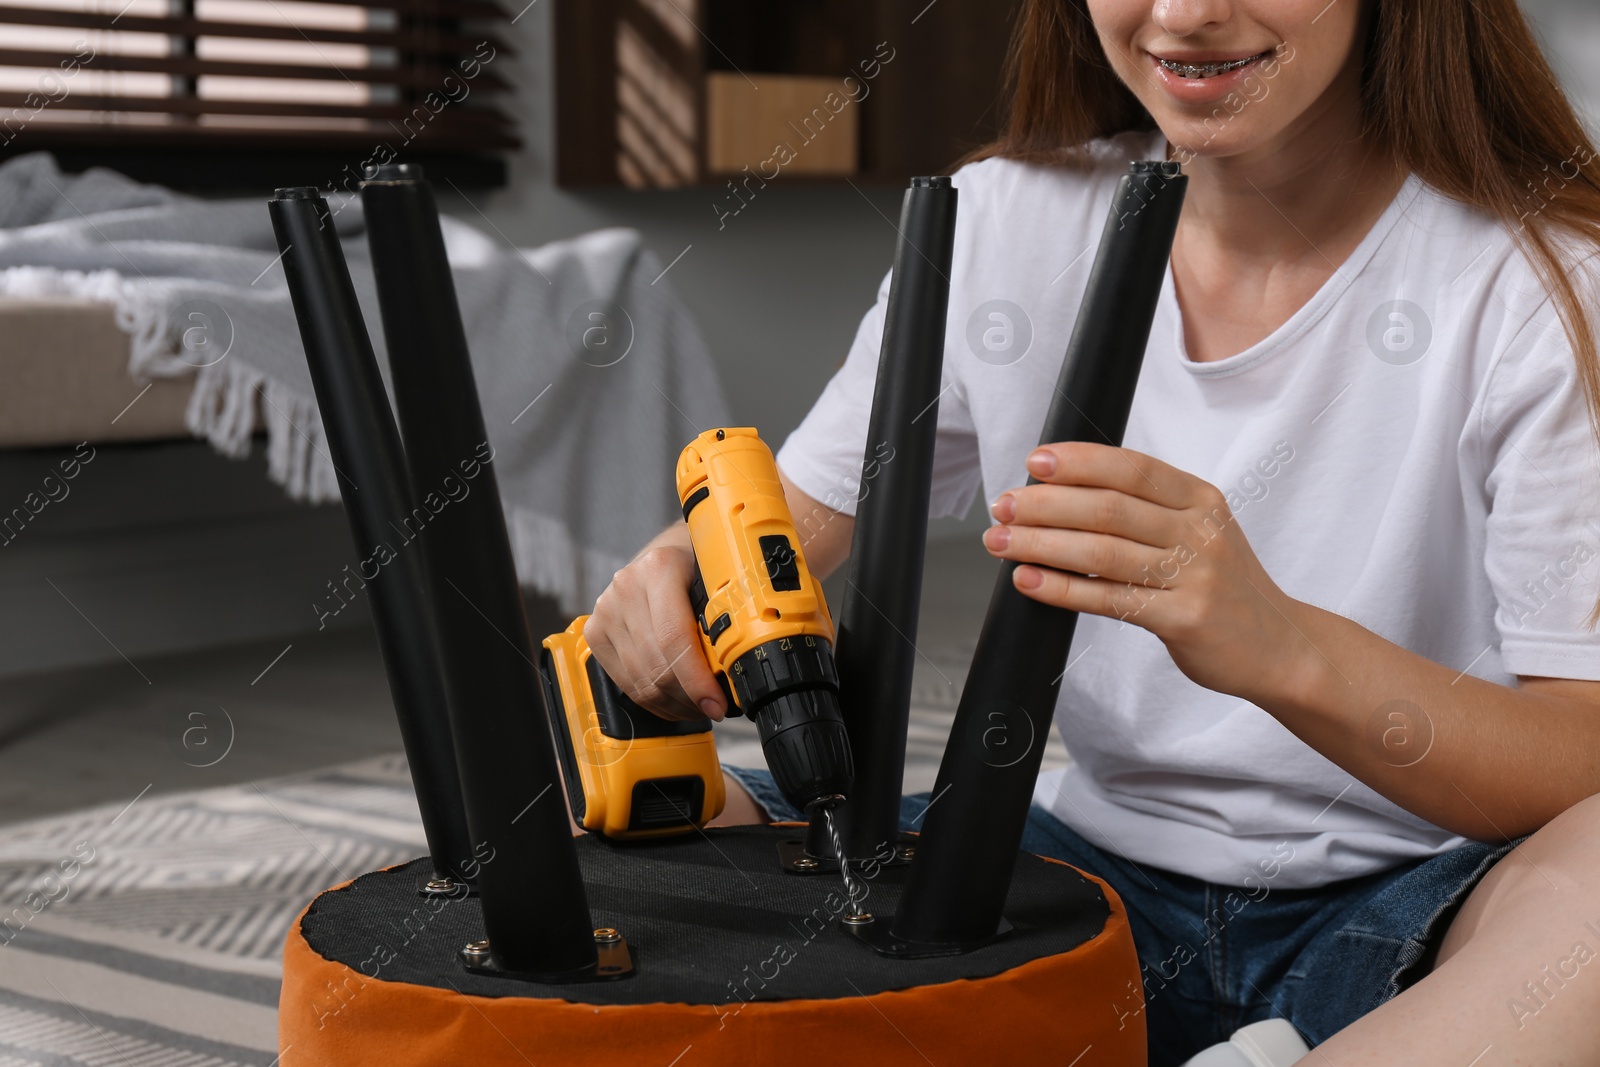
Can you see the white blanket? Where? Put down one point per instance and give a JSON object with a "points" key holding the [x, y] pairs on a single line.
{"points": [[586, 415]]}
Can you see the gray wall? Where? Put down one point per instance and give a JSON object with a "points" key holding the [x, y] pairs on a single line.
{"points": [[1570, 33]]}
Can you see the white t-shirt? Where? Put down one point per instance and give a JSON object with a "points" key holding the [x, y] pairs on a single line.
{"points": [[1410, 450]]}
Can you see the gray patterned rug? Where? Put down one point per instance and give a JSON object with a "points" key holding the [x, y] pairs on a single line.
{"points": [[150, 932]]}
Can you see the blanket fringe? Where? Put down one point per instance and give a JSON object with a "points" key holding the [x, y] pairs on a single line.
{"points": [[550, 562], [224, 411]]}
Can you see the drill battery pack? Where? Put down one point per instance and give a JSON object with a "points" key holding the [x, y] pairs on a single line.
{"points": [[629, 774]]}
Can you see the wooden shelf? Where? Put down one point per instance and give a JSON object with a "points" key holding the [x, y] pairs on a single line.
{"points": [[921, 81]]}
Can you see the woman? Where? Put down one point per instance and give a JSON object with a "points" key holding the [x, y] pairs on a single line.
{"points": [[1362, 464]]}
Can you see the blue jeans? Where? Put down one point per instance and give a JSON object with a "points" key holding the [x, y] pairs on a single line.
{"points": [[1216, 957]]}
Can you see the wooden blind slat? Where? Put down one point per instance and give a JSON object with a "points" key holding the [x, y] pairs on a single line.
{"points": [[189, 105], [422, 76], [423, 41], [437, 9], [437, 137]]}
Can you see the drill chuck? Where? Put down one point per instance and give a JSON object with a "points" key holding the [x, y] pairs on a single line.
{"points": [[790, 689]]}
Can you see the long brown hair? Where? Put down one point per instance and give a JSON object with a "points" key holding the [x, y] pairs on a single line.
{"points": [[1457, 91]]}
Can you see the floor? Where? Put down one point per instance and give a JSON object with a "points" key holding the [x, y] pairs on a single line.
{"points": [[89, 735], [82, 736]]}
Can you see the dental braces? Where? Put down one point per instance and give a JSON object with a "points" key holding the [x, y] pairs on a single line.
{"points": [[1206, 70]]}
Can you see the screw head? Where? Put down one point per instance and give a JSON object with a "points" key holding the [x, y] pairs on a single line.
{"points": [[806, 863], [858, 918], [439, 885], [476, 948], [607, 935], [909, 852]]}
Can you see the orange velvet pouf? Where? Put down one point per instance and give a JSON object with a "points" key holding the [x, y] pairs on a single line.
{"points": [[735, 962]]}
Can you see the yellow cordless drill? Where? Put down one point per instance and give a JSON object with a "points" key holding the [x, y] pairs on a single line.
{"points": [[764, 624], [765, 633]]}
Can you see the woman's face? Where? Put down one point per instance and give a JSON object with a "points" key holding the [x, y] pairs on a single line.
{"points": [[1233, 77]]}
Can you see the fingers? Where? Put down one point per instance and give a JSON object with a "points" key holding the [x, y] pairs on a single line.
{"points": [[1103, 555], [1091, 596], [1122, 469], [647, 676], [678, 633], [1104, 511], [644, 634], [616, 647]]}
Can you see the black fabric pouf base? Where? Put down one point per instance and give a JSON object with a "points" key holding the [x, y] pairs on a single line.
{"points": [[706, 916]]}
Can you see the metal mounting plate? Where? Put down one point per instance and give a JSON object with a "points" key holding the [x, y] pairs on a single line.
{"points": [[878, 937], [615, 962], [794, 859]]}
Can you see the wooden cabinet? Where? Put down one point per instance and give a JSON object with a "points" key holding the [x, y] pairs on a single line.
{"points": [[666, 93]]}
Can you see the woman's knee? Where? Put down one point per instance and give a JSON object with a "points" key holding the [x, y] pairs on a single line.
{"points": [[1557, 861]]}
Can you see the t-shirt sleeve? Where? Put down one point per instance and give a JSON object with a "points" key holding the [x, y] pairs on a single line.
{"points": [[824, 455], [1542, 538]]}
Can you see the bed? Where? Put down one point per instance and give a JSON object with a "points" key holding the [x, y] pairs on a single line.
{"points": [[64, 362]]}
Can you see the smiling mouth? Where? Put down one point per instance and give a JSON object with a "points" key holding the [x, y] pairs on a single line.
{"points": [[1207, 70]]}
